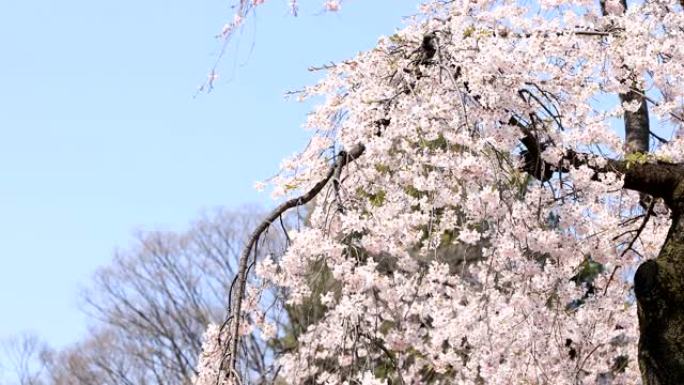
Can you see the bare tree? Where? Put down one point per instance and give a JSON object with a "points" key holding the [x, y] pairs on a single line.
{"points": [[23, 354], [101, 359], [152, 304]]}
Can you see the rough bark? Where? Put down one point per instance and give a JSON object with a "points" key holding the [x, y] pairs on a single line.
{"points": [[637, 128], [659, 289]]}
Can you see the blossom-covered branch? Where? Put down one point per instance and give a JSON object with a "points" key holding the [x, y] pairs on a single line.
{"points": [[342, 159]]}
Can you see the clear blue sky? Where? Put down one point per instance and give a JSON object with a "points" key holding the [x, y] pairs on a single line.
{"points": [[101, 135]]}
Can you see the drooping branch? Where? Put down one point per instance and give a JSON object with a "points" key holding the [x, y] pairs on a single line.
{"points": [[342, 159]]}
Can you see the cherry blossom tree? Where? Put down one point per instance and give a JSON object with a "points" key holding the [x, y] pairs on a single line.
{"points": [[544, 134]]}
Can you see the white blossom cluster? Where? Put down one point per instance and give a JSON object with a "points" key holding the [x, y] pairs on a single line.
{"points": [[434, 106]]}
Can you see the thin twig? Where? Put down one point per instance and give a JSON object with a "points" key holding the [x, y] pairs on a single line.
{"points": [[660, 139], [631, 243]]}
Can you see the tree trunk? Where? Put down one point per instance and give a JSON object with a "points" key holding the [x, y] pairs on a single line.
{"points": [[659, 289]]}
